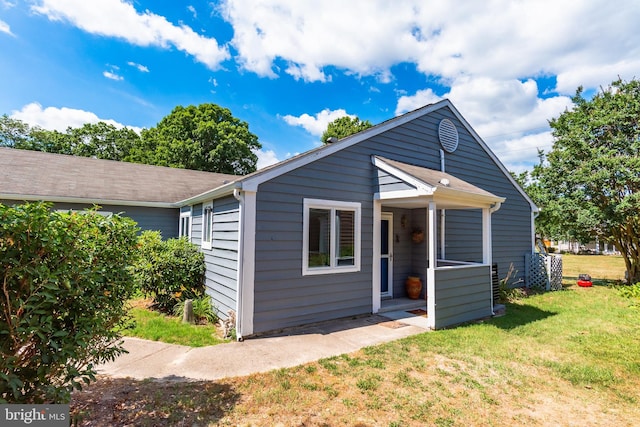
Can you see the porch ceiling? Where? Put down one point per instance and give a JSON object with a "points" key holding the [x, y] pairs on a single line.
{"points": [[448, 191]]}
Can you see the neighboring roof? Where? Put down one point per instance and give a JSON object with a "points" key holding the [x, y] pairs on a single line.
{"points": [[250, 182], [34, 175], [436, 183]]}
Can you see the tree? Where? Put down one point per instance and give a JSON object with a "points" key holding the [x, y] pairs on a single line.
{"points": [[207, 137], [100, 140], [13, 132], [591, 177], [343, 127]]}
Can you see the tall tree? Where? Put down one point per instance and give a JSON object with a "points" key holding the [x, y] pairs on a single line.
{"points": [[14, 133], [207, 137], [591, 177], [343, 127]]}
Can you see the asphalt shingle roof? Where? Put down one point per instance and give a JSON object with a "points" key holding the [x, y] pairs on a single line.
{"points": [[55, 176]]}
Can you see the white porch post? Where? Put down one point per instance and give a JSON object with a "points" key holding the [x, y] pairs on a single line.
{"points": [[487, 256], [486, 236], [432, 253]]}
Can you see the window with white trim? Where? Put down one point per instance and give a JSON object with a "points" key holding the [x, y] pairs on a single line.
{"points": [[185, 224], [331, 240], [207, 225]]}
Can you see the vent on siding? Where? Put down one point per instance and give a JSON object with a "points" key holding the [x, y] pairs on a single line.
{"points": [[448, 135]]}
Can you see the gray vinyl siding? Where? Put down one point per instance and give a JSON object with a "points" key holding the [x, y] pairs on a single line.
{"points": [[463, 235], [387, 182], [462, 295], [196, 224], [282, 295], [222, 259], [164, 220]]}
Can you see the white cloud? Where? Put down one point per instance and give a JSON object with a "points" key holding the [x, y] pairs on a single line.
{"points": [[193, 11], [140, 67], [266, 158], [5, 28], [112, 76], [53, 118], [520, 154], [411, 102], [585, 42], [361, 36], [118, 18], [317, 124]]}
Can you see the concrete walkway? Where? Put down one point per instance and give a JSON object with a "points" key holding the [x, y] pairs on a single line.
{"points": [[295, 346]]}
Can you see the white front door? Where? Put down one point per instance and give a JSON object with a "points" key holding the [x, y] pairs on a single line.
{"points": [[386, 254]]}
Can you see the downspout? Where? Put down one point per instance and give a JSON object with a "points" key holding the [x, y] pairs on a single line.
{"points": [[443, 215], [238, 196]]}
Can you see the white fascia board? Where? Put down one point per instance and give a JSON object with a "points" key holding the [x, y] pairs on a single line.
{"points": [[421, 188], [465, 197], [497, 161], [88, 201], [252, 182], [401, 194]]}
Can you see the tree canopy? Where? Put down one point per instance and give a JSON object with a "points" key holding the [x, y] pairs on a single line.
{"points": [[343, 127], [205, 137], [589, 183]]}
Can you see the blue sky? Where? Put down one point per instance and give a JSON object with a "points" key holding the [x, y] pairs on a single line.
{"points": [[289, 67]]}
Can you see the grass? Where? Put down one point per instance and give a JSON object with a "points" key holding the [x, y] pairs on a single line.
{"points": [[155, 326], [569, 357], [599, 267]]}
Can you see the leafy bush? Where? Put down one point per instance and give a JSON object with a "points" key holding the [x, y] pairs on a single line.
{"points": [[203, 310], [632, 292], [65, 282], [169, 271]]}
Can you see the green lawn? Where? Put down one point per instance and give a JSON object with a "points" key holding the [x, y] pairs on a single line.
{"points": [[155, 326], [569, 357], [599, 267]]}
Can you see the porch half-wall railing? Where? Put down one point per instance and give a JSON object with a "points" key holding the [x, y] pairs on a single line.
{"points": [[462, 292]]}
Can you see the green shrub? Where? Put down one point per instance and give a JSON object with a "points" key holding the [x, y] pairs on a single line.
{"points": [[169, 271], [203, 310], [65, 282], [632, 292]]}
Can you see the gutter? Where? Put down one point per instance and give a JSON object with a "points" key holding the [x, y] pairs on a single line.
{"points": [[80, 200], [224, 190]]}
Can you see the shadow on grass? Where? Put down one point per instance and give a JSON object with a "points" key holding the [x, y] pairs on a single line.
{"points": [[568, 281], [152, 402], [519, 315]]}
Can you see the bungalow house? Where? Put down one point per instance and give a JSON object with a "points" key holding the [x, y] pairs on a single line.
{"points": [[336, 231]]}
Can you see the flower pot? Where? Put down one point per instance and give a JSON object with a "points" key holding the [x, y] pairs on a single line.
{"points": [[413, 286]]}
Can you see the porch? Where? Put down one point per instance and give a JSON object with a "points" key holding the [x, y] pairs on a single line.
{"points": [[454, 218]]}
